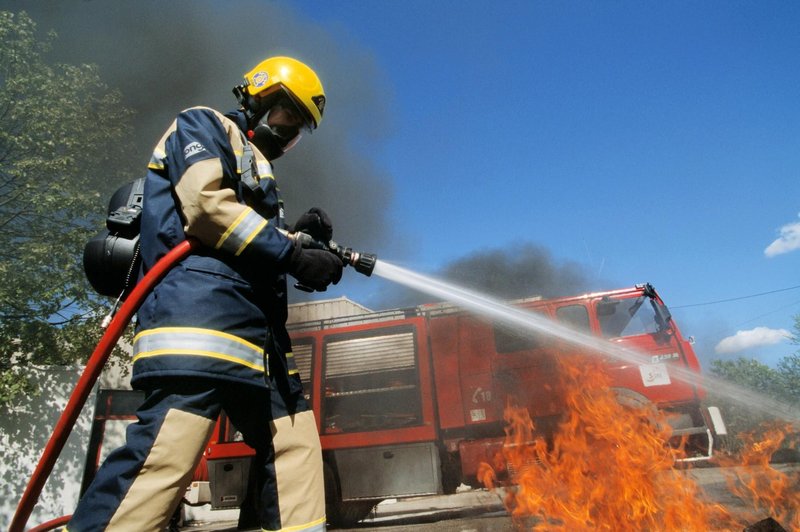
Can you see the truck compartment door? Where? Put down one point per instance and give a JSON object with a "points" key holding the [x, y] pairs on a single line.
{"points": [[389, 471]]}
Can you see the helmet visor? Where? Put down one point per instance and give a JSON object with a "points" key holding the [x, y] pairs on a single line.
{"points": [[286, 122]]}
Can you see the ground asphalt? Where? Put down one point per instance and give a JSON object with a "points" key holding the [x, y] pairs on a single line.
{"points": [[480, 510]]}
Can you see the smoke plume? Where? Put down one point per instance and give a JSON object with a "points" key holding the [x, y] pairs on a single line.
{"points": [[525, 270], [167, 56]]}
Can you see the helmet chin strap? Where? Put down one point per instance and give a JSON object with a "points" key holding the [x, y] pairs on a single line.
{"points": [[252, 111]]}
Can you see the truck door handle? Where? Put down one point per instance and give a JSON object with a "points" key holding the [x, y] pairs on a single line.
{"points": [[388, 454]]}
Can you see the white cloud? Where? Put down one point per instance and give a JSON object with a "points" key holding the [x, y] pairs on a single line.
{"points": [[788, 241], [753, 338]]}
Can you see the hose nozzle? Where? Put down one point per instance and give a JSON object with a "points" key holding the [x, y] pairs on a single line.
{"points": [[363, 263]]}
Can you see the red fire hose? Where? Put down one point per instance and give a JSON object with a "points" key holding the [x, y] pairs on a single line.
{"points": [[84, 386]]}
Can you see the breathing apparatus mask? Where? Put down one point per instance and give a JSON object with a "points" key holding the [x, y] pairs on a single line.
{"points": [[276, 122]]}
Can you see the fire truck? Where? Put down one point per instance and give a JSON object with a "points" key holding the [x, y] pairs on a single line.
{"points": [[409, 402]]}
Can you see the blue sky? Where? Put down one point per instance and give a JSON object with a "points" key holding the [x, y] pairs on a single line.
{"points": [[645, 141], [648, 141]]}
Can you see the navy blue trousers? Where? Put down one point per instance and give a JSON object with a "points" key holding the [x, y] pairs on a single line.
{"points": [[140, 485]]}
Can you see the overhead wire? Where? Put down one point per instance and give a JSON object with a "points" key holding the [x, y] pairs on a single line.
{"points": [[784, 307], [735, 298]]}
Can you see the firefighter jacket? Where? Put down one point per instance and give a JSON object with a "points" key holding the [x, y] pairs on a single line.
{"points": [[221, 312]]}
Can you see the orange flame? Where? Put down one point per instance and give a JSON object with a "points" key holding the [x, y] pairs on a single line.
{"points": [[609, 467], [754, 480]]}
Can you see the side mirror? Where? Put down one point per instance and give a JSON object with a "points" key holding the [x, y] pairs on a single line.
{"points": [[663, 316]]}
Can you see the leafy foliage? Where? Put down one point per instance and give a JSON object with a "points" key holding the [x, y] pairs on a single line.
{"points": [[781, 383], [62, 135], [789, 378]]}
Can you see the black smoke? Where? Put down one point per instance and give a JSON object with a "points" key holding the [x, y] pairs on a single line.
{"points": [[520, 271], [167, 56], [514, 272]]}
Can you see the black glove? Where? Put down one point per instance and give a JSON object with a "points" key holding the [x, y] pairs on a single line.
{"points": [[316, 223], [315, 268]]}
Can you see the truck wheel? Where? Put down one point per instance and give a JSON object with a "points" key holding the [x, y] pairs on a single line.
{"points": [[636, 401], [627, 397], [342, 513], [348, 513]]}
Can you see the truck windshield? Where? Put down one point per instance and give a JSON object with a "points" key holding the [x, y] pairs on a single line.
{"points": [[628, 317]]}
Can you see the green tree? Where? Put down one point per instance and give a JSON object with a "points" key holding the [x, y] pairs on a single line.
{"points": [[750, 373], [63, 134], [778, 383], [789, 368], [789, 372]]}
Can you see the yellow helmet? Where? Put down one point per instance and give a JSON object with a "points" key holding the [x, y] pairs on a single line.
{"points": [[294, 77]]}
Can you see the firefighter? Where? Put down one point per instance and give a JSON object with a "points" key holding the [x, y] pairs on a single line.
{"points": [[212, 334]]}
